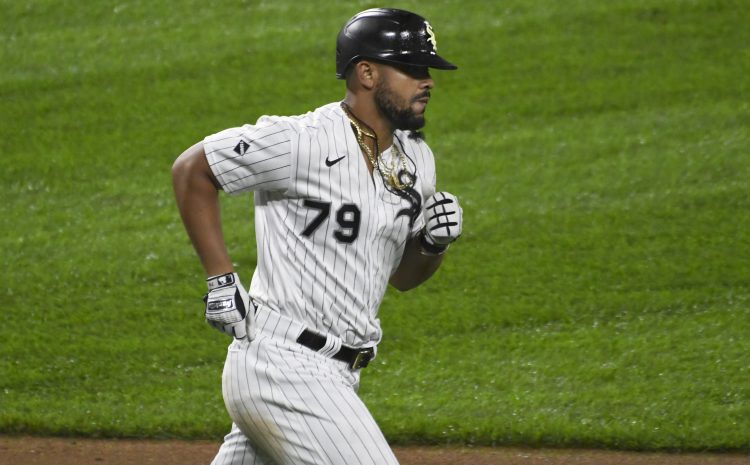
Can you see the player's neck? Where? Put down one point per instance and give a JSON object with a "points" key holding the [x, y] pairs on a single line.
{"points": [[366, 112]]}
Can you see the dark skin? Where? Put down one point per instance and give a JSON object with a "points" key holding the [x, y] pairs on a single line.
{"points": [[196, 188]]}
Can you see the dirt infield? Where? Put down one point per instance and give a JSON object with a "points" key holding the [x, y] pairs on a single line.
{"points": [[69, 451]]}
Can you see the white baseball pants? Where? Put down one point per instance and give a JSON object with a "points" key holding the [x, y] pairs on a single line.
{"points": [[293, 406]]}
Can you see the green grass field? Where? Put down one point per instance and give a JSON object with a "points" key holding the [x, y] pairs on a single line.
{"points": [[600, 295]]}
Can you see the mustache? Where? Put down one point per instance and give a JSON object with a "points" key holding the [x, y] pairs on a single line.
{"points": [[421, 96]]}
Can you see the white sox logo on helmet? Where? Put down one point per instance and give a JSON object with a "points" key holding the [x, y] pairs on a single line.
{"points": [[431, 36]]}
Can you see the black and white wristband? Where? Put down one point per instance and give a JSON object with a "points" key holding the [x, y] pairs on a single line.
{"points": [[222, 280], [426, 248]]}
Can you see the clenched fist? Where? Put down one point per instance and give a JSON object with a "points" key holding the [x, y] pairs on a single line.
{"points": [[443, 221]]}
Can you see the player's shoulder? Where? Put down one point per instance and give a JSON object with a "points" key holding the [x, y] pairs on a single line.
{"points": [[315, 120]]}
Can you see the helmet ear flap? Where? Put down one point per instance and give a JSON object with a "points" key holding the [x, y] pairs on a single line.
{"points": [[350, 68]]}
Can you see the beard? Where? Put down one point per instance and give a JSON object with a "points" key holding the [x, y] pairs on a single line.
{"points": [[398, 111]]}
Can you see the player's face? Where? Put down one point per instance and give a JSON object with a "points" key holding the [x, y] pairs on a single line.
{"points": [[402, 94]]}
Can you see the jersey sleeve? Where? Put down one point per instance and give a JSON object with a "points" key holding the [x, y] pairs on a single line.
{"points": [[252, 157]]}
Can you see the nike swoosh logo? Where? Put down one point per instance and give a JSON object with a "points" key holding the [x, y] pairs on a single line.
{"points": [[330, 163]]}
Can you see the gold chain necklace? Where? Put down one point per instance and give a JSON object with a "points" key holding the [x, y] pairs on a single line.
{"points": [[390, 173]]}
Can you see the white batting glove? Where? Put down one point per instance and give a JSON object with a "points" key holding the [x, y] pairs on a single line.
{"points": [[228, 307], [443, 221]]}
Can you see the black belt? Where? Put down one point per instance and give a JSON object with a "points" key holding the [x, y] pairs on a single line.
{"points": [[356, 358]]}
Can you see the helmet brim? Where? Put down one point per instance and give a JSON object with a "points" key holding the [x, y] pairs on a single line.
{"points": [[426, 59], [430, 60]]}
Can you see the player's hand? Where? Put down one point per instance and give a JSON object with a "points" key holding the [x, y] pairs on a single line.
{"points": [[228, 306], [443, 221]]}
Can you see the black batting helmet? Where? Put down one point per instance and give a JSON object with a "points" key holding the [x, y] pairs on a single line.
{"points": [[389, 35]]}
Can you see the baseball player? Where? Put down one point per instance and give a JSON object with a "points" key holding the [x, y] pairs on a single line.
{"points": [[345, 204]]}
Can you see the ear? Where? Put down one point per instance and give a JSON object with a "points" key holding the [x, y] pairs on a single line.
{"points": [[366, 73]]}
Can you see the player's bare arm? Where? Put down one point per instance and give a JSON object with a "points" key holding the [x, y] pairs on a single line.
{"points": [[196, 192], [415, 267], [195, 189]]}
